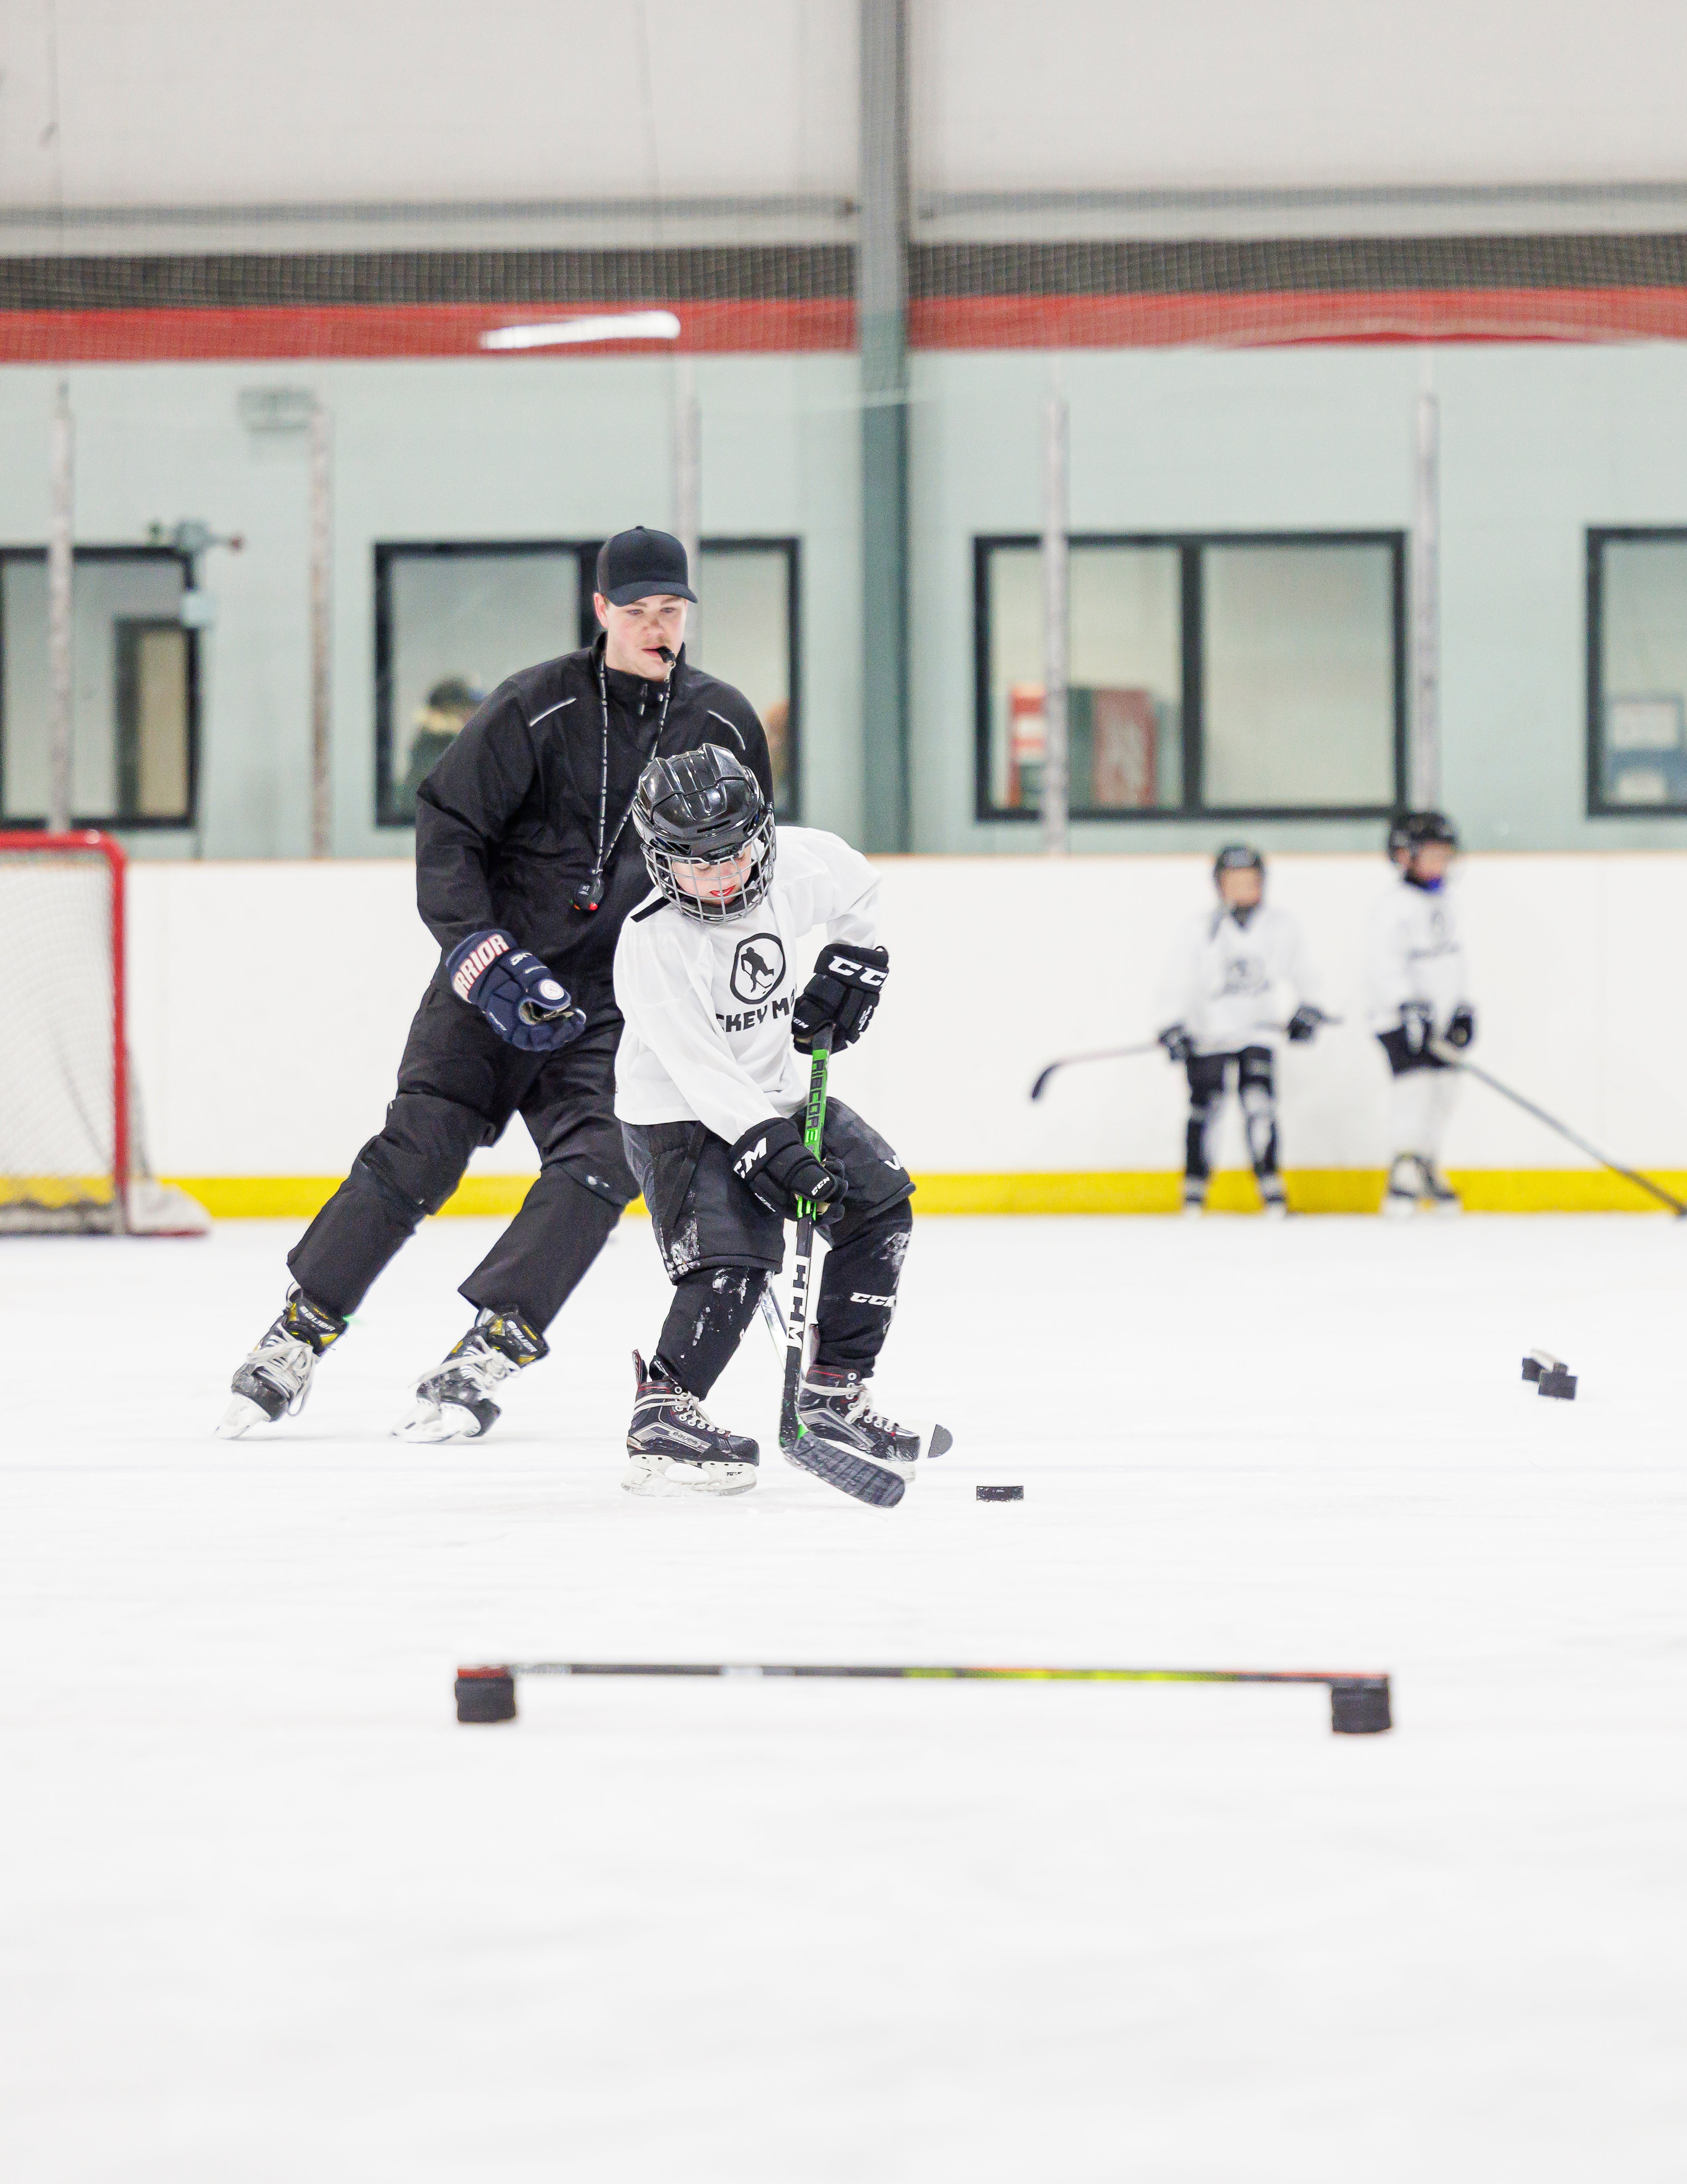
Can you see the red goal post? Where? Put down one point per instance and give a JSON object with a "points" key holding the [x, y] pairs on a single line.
{"points": [[72, 1158]]}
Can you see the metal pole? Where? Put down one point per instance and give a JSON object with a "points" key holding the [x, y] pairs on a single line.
{"points": [[688, 484], [1426, 600], [1056, 618], [61, 685], [321, 571], [881, 306]]}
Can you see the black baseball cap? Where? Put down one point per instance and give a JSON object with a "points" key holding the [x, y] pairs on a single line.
{"points": [[640, 564]]}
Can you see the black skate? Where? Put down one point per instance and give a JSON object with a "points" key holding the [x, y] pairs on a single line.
{"points": [[454, 1401], [274, 1379], [674, 1446], [851, 1446]]}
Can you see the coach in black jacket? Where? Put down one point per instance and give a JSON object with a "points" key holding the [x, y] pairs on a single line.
{"points": [[525, 868]]}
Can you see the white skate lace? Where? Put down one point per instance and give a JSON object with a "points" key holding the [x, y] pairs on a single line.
{"points": [[858, 1411], [481, 1363], [289, 1362], [689, 1411]]}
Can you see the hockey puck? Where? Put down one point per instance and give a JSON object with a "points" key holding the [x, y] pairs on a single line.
{"points": [[1538, 1361], [999, 1493], [1360, 1707], [1559, 1383], [486, 1695]]}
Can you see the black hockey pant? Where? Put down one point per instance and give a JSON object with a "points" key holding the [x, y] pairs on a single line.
{"points": [[1257, 1092], [720, 1243], [458, 1085]]}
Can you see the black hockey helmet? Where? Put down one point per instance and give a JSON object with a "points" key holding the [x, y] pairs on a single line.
{"points": [[1410, 831], [1238, 857], [702, 807]]}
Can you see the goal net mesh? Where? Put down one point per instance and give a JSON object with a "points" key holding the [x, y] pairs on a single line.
{"points": [[59, 1076]]}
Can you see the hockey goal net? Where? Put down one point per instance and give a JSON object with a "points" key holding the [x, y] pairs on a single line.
{"points": [[70, 1153]]}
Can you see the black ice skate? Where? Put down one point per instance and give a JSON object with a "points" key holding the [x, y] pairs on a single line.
{"points": [[849, 1444], [454, 1401], [274, 1379], [674, 1446], [1413, 1178]]}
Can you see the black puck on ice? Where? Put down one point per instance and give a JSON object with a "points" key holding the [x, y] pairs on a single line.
{"points": [[999, 1493], [486, 1695], [1559, 1383], [1360, 1707]]}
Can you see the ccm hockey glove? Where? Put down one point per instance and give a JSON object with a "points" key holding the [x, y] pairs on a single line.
{"points": [[772, 1159], [513, 991], [1461, 1025], [844, 992], [1176, 1042]]}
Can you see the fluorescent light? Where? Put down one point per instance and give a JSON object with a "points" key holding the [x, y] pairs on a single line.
{"points": [[619, 326]]}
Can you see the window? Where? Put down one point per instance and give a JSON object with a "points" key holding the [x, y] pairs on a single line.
{"points": [[135, 685], [451, 620], [1221, 677], [1637, 670]]}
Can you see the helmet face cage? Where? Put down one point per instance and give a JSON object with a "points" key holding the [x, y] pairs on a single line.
{"points": [[1414, 830], [660, 858], [1238, 857]]}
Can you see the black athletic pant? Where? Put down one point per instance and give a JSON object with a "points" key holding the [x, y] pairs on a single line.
{"points": [[720, 1243], [458, 1085], [1256, 1088]]}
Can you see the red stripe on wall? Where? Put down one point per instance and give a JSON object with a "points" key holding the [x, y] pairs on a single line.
{"points": [[203, 334], [1402, 314]]}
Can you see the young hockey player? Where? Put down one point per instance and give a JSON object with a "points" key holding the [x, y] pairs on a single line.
{"points": [[526, 867], [1417, 993], [710, 1084], [1234, 974]]}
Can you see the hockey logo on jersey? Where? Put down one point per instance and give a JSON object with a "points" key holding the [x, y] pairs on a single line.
{"points": [[758, 967]]}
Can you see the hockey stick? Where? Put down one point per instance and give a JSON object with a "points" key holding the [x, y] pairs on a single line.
{"points": [[1360, 1701], [1125, 1053], [851, 1474], [1454, 1060], [802, 1271]]}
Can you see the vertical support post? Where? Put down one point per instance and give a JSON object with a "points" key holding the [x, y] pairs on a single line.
{"points": [[1426, 599], [882, 308], [688, 484], [321, 634], [60, 555], [1056, 628]]}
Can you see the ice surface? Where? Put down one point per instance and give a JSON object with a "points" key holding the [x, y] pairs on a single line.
{"points": [[273, 1916]]}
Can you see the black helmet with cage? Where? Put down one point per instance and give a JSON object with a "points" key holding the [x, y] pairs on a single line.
{"points": [[1411, 831], [705, 807], [1238, 857]]}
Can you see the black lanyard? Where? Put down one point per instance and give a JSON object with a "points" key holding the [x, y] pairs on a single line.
{"points": [[590, 892]]}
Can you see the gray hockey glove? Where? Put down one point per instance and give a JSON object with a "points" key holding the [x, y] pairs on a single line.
{"points": [[513, 991], [1176, 1042], [1417, 1023], [1461, 1025], [772, 1159], [844, 992]]}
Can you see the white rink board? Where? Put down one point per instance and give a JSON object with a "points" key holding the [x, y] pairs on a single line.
{"points": [[274, 1916], [269, 1004]]}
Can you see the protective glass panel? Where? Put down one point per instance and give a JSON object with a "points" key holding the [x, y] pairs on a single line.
{"points": [[131, 665], [1125, 678], [1298, 652], [457, 623], [741, 630], [1643, 671]]}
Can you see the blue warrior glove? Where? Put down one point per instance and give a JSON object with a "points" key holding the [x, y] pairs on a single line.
{"points": [[513, 991]]}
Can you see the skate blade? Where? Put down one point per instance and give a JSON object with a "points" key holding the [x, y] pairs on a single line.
{"points": [[242, 1414], [655, 1478], [431, 1423], [1398, 1208]]}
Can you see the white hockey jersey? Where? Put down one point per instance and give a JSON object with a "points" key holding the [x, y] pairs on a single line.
{"points": [[1232, 985], [708, 1007], [1416, 953]]}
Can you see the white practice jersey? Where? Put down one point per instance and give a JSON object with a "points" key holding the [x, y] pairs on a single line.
{"points": [[1232, 985], [708, 1007], [1416, 953]]}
